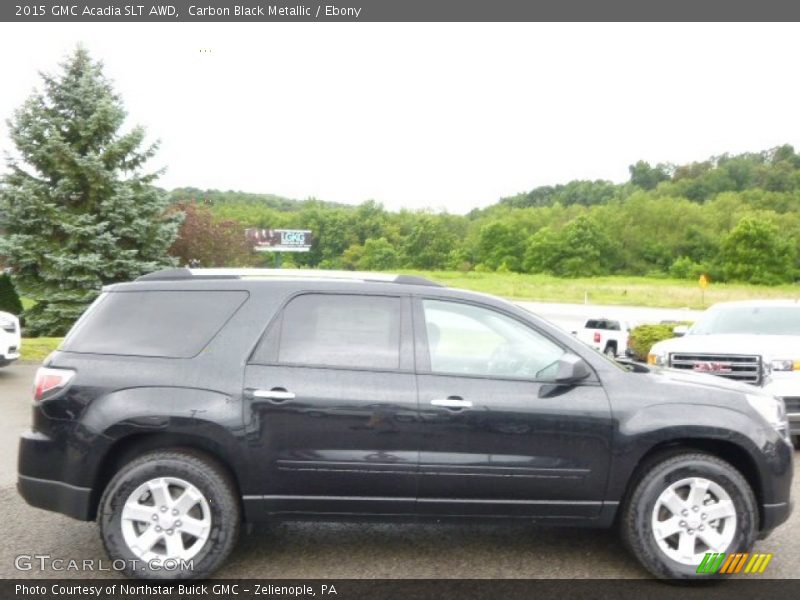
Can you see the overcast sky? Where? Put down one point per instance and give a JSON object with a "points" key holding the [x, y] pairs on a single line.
{"points": [[449, 116]]}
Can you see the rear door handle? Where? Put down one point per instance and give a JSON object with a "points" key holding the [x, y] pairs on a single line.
{"points": [[276, 395], [452, 402]]}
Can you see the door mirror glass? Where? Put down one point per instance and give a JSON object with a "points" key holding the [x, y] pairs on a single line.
{"points": [[571, 369], [680, 330]]}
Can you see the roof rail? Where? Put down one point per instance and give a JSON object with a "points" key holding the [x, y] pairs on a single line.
{"points": [[185, 274]]}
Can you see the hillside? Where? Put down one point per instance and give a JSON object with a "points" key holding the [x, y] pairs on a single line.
{"points": [[733, 217]]}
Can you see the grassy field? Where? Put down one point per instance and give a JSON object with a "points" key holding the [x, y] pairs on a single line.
{"points": [[630, 291], [37, 349]]}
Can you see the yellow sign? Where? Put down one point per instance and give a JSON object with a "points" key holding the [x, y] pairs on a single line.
{"points": [[703, 281]]}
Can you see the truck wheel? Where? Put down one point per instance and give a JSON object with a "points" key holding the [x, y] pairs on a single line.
{"points": [[683, 507], [611, 351], [169, 514]]}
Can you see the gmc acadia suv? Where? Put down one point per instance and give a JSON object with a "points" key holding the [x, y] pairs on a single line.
{"points": [[188, 402]]}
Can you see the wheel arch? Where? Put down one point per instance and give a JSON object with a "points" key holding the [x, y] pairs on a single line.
{"points": [[734, 454], [125, 449]]}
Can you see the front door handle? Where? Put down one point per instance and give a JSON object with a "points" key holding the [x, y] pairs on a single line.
{"points": [[274, 395], [454, 402]]}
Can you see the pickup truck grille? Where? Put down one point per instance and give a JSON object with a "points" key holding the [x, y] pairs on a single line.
{"points": [[792, 404], [739, 367]]}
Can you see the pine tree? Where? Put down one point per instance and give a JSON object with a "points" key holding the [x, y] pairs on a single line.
{"points": [[76, 209], [9, 299]]}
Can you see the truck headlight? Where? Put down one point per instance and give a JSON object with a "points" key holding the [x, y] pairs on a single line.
{"points": [[772, 409], [659, 359], [8, 324], [784, 364]]}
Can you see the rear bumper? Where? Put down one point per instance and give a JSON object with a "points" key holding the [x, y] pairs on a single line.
{"points": [[9, 347], [794, 424], [57, 496], [41, 468], [8, 355]]}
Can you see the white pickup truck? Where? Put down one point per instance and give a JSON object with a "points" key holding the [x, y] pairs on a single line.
{"points": [[755, 342], [607, 336], [9, 338]]}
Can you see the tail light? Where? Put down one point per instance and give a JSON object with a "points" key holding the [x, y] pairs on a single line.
{"points": [[596, 337], [48, 381]]}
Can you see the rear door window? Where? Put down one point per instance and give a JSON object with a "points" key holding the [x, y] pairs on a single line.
{"points": [[172, 324], [336, 330]]}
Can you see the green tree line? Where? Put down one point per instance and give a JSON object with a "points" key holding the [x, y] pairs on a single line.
{"points": [[735, 218]]}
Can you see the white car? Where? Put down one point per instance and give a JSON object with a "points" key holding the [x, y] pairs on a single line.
{"points": [[10, 340], [755, 342]]}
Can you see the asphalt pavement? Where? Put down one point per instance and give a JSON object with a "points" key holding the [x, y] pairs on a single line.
{"points": [[337, 550]]}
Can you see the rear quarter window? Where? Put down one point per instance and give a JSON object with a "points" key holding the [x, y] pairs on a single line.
{"points": [[171, 324]]}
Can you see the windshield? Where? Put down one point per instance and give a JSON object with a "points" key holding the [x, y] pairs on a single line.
{"points": [[761, 320]]}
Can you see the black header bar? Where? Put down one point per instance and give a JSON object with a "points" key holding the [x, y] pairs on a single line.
{"points": [[398, 10]]}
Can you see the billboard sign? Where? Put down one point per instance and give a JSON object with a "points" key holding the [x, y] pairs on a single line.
{"points": [[279, 240]]}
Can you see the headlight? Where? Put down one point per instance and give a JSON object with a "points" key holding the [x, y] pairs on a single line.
{"points": [[772, 409], [785, 364], [659, 359], [8, 324]]}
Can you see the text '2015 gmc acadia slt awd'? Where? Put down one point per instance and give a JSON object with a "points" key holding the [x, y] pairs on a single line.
{"points": [[186, 403]]}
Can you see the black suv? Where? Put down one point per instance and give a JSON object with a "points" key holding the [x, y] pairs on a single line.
{"points": [[186, 403]]}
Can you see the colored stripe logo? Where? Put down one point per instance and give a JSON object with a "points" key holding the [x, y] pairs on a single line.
{"points": [[730, 564]]}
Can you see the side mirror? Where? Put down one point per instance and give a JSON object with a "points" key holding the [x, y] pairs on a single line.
{"points": [[571, 369], [680, 330]]}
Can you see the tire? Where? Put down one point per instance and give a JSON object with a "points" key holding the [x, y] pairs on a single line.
{"points": [[640, 520], [796, 442], [210, 511], [610, 351]]}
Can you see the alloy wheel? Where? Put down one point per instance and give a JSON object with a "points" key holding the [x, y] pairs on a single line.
{"points": [[691, 517], [166, 518]]}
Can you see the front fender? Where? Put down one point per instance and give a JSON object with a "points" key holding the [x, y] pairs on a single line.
{"points": [[642, 431]]}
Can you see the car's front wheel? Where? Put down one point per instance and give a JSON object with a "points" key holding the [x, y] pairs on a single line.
{"points": [[685, 506], [169, 514]]}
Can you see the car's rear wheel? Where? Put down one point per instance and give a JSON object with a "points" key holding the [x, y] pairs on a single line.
{"points": [[169, 514], [685, 506]]}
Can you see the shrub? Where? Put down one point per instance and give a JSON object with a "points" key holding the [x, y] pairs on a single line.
{"points": [[685, 268], [643, 337], [9, 299]]}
